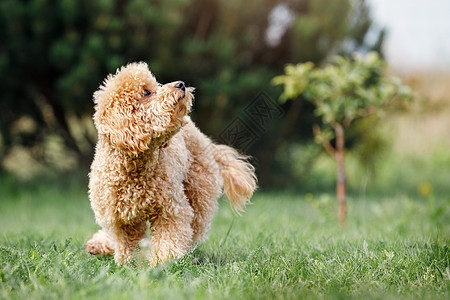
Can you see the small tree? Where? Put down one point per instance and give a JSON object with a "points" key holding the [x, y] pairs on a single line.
{"points": [[345, 90]]}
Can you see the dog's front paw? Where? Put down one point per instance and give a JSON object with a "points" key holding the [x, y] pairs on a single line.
{"points": [[99, 245]]}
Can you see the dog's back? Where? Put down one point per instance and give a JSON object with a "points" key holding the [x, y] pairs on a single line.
{"points": [[212, 168], [222, 164]]}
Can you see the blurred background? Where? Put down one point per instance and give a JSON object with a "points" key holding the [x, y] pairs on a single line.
{"points": [[55, 54]]}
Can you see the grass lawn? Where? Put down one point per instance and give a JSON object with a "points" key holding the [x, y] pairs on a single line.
{"points": [[285, 246]]}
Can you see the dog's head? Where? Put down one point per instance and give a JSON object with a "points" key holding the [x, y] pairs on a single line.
{"points": [[132, 109]]}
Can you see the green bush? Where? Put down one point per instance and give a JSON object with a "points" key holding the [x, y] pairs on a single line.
{"points": [[56, 53]]}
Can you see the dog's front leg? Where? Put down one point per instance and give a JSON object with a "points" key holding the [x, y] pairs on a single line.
{"points": [[124, 240], [171, 234]]}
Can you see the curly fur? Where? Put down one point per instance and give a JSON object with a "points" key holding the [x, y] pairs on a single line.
{"points": [[152, 164]]}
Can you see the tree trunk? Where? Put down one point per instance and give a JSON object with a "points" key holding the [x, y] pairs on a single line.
{"points": [[340, 171]]}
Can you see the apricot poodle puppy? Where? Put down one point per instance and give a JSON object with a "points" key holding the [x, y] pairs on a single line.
{"points": [[152, 164]]}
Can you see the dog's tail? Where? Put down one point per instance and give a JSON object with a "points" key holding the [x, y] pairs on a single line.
{"points": [[238, 176]]}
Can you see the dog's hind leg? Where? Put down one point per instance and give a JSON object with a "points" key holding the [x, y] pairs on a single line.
{"points": [[203, 185]]}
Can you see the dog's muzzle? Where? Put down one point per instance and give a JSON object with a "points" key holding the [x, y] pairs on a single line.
{"points": [[180, 85]]}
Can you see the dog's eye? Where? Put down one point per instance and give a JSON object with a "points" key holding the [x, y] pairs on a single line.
{"points": [[147, 92]]}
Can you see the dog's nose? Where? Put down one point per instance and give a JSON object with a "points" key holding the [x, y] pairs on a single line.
{"points": [[180, 85]]}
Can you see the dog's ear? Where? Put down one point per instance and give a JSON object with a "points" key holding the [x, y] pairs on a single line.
{"points": [[122, 127]]}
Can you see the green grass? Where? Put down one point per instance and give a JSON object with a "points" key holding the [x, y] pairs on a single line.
{"points": [[285, 246]]}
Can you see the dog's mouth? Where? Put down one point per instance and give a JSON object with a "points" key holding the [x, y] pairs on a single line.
{"points": [[183, 92], [184, 102]]}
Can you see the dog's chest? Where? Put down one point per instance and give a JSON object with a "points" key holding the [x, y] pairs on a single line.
{"points": [[130, 190], [136, 194]]}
